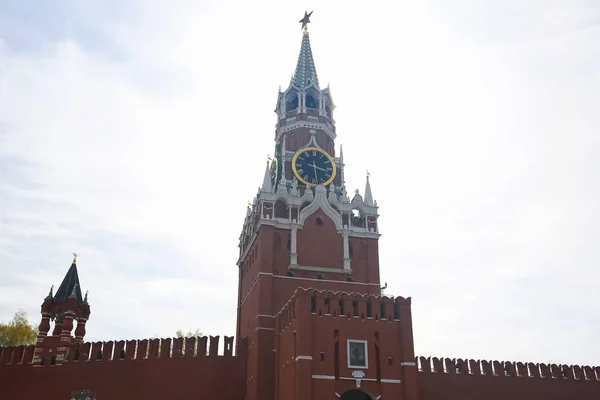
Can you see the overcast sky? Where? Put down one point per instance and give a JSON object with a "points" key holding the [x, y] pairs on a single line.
{"points": [[133, 133]]}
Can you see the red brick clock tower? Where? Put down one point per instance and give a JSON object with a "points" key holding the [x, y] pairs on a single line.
{"points": [[309, 289]]}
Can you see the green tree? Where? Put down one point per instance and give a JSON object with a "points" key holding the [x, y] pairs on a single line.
{"points": [[195, 333], [18, 331]]}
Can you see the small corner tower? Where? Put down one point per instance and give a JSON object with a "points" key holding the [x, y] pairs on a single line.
{"points": [[64, 307]]}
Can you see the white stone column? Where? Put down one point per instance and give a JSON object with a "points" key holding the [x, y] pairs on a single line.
{"points": [[321, 107], [283, 158], [346, 251], [299, 103], [293, 254], [283, 106]]}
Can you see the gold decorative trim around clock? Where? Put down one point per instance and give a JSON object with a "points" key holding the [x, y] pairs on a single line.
{"points": [[276, 161], [318, 150]]}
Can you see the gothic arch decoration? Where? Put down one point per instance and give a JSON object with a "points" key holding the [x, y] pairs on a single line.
{"points": [[281, 194], [321, 202], [312, 98], [327, 292], [304, 205], [291, 100], [358, 203]]}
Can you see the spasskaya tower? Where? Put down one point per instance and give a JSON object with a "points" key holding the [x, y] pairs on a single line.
{"points": [[302, 230]]}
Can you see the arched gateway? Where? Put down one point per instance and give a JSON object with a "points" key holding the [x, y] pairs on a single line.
{"points": [[356, 394]]}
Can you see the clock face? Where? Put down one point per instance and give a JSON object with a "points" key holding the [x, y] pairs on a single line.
{"points": [[274, 172], [313, 166]]}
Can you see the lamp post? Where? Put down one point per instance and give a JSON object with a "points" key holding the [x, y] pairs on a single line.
{"points": [[83, 395]]}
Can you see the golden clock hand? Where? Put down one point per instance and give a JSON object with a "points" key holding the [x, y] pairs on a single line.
{"points": [[319, 168]]}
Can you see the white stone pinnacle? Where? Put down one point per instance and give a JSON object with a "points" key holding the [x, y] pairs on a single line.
{"points": [[267, 185], [368, 195]]}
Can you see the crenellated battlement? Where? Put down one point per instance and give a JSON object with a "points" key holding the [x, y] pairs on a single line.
{"points": [[327, 303], [19, 355], [150, 368], [527, 370], [124, 350]]}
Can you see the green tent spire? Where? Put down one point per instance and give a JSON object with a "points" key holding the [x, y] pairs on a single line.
{"points": [[305, 73]]}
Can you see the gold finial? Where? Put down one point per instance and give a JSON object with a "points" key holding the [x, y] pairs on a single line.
{"points": [[74, 258], [249, 204], [269, 158], [368, 173]]}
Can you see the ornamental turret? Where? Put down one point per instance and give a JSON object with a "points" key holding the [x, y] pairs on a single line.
{"points": [[65, 308]]}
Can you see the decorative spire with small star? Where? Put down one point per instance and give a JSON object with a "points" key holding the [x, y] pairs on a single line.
{"points": [[306, 73], [306, 20]]}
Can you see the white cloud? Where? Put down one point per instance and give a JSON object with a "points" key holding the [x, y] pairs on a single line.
{"points": [[138, 144]]}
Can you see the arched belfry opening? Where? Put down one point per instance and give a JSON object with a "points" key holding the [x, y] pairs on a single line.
{"points": [[291, 101], [356, 394], [312, 99], [281, 210]]}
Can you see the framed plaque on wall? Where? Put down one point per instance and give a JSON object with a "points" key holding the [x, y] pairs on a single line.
{"points": [[358, 354]]}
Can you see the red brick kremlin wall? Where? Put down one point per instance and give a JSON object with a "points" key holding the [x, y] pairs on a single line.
{"points": [[137, 369], [126, 374], [495, 380]]}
